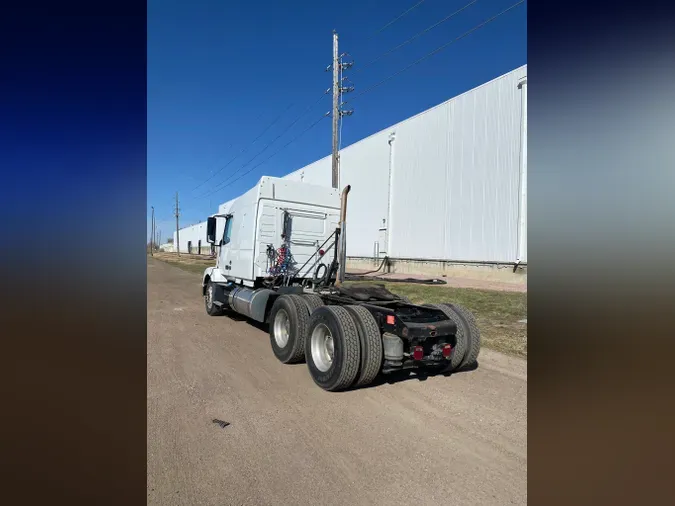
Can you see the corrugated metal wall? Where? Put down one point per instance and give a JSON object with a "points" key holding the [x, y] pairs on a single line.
{"points": [[455, 180], [193, 234], [442, 185], [455, 187], [365, 166]]}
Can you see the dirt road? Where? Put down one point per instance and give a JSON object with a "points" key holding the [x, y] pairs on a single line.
{"points": [[458, 440]]}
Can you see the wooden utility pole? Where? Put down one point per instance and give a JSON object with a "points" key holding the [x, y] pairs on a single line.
{"points": [[152, 230], [177, 227]]}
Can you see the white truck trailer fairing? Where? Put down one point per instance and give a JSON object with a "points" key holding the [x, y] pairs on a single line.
{"points": [[276, 225]]}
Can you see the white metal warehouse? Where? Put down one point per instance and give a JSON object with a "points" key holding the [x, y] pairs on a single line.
{"points": [[447, 185]]}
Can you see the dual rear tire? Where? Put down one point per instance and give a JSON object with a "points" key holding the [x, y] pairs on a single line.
{"points": [[467, 347], [289, 320], [332, 348], [341, 345]]}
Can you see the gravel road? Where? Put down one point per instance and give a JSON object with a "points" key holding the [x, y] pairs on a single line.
{"points": [[458, 440]]}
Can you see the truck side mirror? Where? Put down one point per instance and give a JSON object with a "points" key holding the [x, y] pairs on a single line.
{"points": [[211, 230]]}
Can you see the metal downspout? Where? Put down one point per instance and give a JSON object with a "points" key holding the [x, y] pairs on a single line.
{"points": [[522, 208], [392, 138]]}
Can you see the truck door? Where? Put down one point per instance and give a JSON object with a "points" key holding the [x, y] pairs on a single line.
{"points": [[225, 260]]}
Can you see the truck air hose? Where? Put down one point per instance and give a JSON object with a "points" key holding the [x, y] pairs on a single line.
{"points": [[365, 276], [384, 260], [317, 279], [361, 277]]}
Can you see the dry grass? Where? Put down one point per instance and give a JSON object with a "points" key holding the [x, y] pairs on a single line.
{"points": [[497, 312], [190, 263]]}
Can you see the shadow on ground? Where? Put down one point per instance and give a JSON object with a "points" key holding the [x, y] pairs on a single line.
{"points": [[411, 375], [382, 379]]}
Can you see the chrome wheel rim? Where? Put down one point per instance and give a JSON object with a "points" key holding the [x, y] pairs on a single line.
{"points": [[323, 348], [282, 328]]}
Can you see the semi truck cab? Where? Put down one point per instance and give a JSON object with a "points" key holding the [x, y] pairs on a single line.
{"points": [[281, 260]]}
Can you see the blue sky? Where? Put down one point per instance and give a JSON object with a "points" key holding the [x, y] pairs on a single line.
{"points": [[220, 72]]}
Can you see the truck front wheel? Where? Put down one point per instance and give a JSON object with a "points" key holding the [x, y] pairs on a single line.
{"points": [[211, 308], [332, 348]]}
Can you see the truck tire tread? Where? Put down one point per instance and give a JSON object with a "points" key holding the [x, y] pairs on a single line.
{"points": [[303, 325], [371, 345], [468, 321], [294, 350], [342, 373], [313, 301]]}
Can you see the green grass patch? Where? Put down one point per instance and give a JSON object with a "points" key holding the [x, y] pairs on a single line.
{"points": [[497, 313]]}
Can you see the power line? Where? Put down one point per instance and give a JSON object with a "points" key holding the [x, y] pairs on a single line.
{"points": [[217, 189], [309, 108], [218, 161], [396, 19], [438, 49], [283, 147], [220, 187], [448, 17], [227, 181], [244, 149], [220, 158]]}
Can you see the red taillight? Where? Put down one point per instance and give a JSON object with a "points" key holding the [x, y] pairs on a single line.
{"points": [[418, 353], [447, 350], [391, 319], [321, 252]]}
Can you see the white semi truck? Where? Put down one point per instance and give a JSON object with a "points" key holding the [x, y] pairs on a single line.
{"points": [[281, 260]]}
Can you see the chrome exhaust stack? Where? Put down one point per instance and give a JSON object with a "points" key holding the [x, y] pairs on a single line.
{"points": [[343, 237]]}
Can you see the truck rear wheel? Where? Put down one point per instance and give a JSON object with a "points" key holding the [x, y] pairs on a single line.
{"points": [[371, 344], [211, 308], [332, 348], [465, 320], [461, 343], [313, 301], [288, 328]]}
